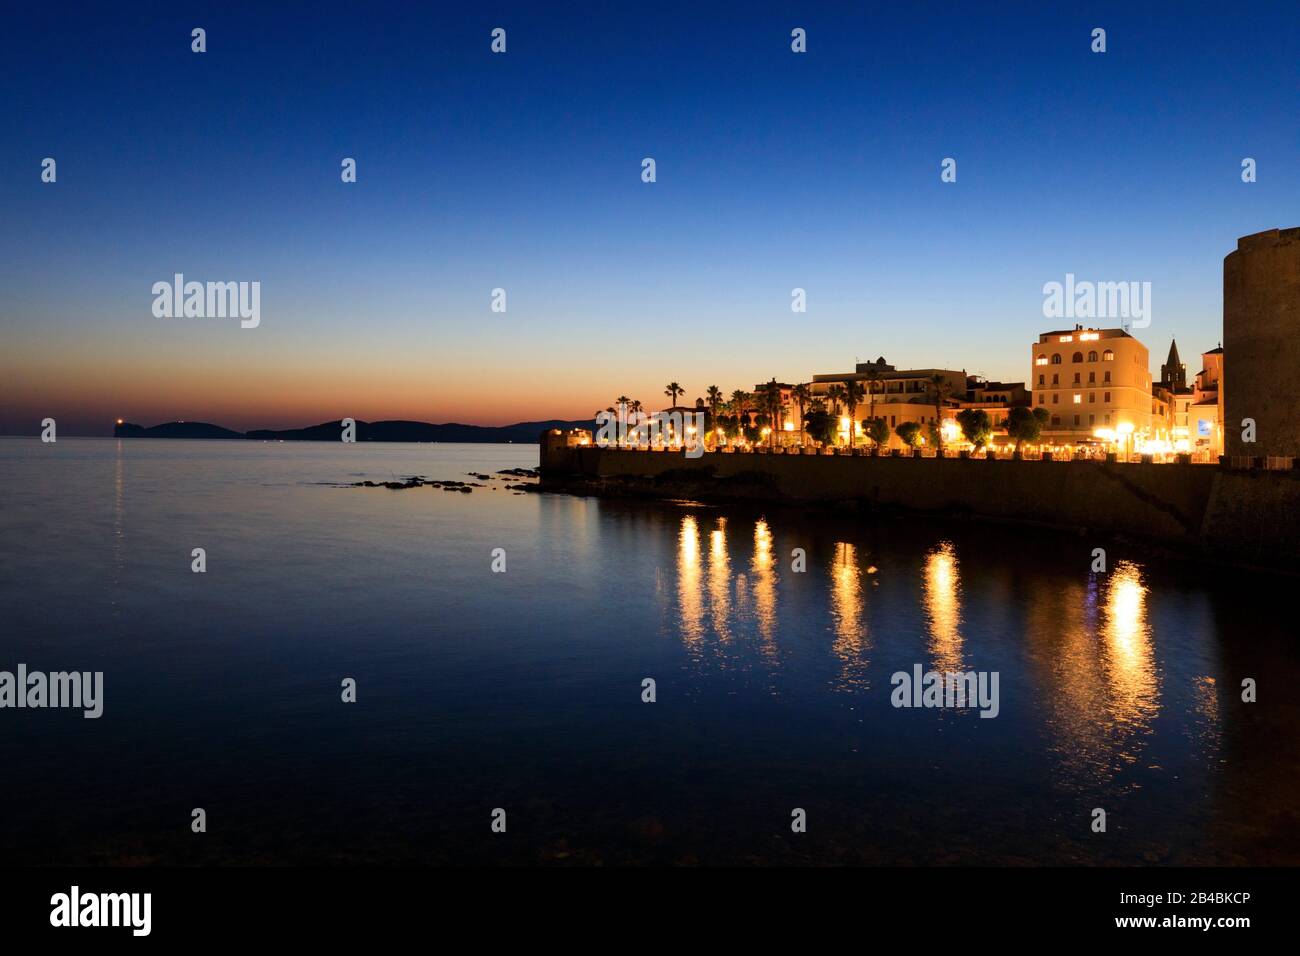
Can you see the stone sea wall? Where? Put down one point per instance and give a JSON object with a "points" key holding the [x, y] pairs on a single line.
{"points": [[1240, 517]]}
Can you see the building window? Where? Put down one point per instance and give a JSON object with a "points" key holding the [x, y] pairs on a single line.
{"points": [[1106, 398], [1056, 358], [1076, 378], [1108, 356], [1092, 377], [1092, 356], [1041, 360], [1056, 419], [1076, 419], [1042, 399], [1041, 379], [1106, 418], [1056, 379], [1078, 399], [1092, 419], [1077, 357], [1056, 399], [1107, 378]]}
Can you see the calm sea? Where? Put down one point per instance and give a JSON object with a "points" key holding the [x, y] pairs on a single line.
{"points": [[523, 690]]}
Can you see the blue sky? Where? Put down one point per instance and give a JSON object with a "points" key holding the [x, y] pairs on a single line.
{"points": [[522, 171]]}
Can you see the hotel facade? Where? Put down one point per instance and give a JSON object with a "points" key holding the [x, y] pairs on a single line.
{"points": [[896, 395], [1095, 385]]}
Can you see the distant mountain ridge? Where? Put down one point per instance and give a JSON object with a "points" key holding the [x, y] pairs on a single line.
{"points": [[392, 431], [174, 430]]}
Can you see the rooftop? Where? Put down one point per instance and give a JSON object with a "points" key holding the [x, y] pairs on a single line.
{"points": [[1080, 334]]}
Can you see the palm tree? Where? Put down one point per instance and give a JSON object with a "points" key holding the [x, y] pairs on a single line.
{"points": [[802, 395], [714, 395], [739, 400], [873, 376], [939, 390], [770, 393], [672, 390], [852, 395], [634, 409], [715, 399], [835, 396]]}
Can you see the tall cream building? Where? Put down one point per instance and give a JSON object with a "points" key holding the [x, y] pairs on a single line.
{"points": [[1095, 385]]}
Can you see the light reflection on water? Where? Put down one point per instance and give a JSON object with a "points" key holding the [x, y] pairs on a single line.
{"points": [[1096, 671], [1119, 689], [763, 568], [1134, 685], [720, 581], [850, 644], [1091, 658], [689, 597], [943, 607]]}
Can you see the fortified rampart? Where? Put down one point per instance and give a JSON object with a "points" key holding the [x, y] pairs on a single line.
{"points": [[1249, 517]]}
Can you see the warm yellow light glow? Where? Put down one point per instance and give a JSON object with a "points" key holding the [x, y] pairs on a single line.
{"points": [[1067, 338], [1127, 642], [689, 599], [789, 426], [763, 569], [1078, 399], [950, 430], [720, 581], [1107, 434], [1154, 446], [1126, 428], [846, 611], [119, 421], [941, 594]]}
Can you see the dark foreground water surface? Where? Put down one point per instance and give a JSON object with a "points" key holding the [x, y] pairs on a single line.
{"points": [[522, 690]]}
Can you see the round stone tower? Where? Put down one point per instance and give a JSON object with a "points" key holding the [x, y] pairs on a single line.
{"points": [[1261, 343]]}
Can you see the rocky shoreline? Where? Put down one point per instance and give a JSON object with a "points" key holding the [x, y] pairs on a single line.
{"points": [[452, 484]]}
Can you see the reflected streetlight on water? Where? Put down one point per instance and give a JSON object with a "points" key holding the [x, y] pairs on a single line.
{"points": [[942, 598]]}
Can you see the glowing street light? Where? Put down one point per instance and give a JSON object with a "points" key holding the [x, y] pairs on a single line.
{"points": [[1126, 429]]}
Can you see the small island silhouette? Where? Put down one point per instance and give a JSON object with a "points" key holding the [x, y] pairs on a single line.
{"points": [[390, 431]]}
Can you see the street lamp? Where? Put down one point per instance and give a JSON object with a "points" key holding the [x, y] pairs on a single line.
{"points": [[1126, 429]]}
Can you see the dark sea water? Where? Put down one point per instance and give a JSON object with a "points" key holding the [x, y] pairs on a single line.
{"points": [[522, 690]]}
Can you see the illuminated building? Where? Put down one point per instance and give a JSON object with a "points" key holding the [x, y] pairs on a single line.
{"points": [[1096, 387], [895, 395]]}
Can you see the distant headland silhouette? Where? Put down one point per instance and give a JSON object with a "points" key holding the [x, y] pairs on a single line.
{"points": [[393, 431]]}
